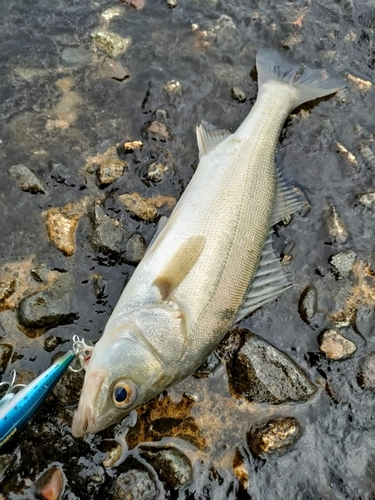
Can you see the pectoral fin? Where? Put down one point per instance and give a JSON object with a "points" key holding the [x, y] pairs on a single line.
{"points": [[209, 136], [180, 265]]}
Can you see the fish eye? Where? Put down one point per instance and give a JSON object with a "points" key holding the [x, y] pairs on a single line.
{"points": [[124, 394]]}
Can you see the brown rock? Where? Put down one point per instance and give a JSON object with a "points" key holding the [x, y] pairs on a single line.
{"points": [[145, 208], [366, 375], [50, 486], [158, 131], [335, 346], [111, 169], [130, 146], [137, 4], [276, 436]]}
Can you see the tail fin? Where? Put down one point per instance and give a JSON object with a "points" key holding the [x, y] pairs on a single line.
{"points": [[309, 83]]}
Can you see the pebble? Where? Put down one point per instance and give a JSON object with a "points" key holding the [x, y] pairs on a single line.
{"points": [[336, 226], [68, 388], [172, 465], [108, 235], [75, 56], [7, 288], [111, 43], [6, 352], [111, 68], [349, 156], [274, 437], [158, 131], [100, 286], [366, 375], [173, 87], [130, 146], [335, 346], [51, 343], [134, 485], [110, 170], [172, 3], [139, 206], [136, 4], [224, 27], [343, 262], [49, 307], [62, 223], [156, 171], [368, 156], [367, 199], [40, 272], [113, 453], [307, 304], [51, 485], [262, 374], [26, 179], [135, 248], [238, 94]]}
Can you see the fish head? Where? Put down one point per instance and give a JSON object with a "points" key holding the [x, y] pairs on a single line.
{"points": [[122, 373]]}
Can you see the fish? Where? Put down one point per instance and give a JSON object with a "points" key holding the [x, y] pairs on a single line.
{"points": [[17, 409], [211, 263]]}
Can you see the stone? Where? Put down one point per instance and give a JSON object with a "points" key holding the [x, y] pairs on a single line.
{"points": [[62, 175], [108, 235], [367, 199], [173, 87], [307, 304], [223, 28], [335, 346], [238, 94], [172, 3], [113, 453], [69, 387], [110, 170], [50, 485], [100, 286], [366, 375], [344, 262], [135, 248], [49, 307], [158, 131], [136, 4], [336, 226], [172, 465], [75, 56], [6, 352], [110, 68], [262, 374], [130, 146], [145, 208], [7, 288], [156, 171], [274, 437], [134, 485], [26, 179], [51, 343], [111, 43]]}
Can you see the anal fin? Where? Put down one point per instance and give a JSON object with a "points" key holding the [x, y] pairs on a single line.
{"points": [[269, 282]]}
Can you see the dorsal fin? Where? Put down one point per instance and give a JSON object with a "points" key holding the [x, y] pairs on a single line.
{"points": [[208, 136], [289, 199], [180, 265]]}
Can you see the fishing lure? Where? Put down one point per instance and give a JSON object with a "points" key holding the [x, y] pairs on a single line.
{"points": [[16, 409]]}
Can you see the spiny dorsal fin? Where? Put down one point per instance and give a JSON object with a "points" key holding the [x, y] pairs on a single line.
{"points": [[209, 136], [180, 265], [289, 199], [269, 281]]}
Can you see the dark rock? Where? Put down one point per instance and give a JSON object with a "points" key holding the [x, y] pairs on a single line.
{"points": [[108, 235], [208, 367], [6, 351], [7, 288], [62, 175], [343, 262], [366, 375], [68, 388], [40, 272], [335, 346], [74, 56], [274, 437], [157, 131], [307, 304], [134, 485], [262, 374], [172, 466], [51, 343], [100, 286], [26, 179], [238, 94], [135, 248], [50, 306]]}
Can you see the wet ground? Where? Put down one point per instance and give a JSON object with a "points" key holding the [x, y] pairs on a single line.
{"points": [[63, 116]]}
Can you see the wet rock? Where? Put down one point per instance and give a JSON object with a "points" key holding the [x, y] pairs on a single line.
{"points": [[49, 307], [173, 87], [51, 343], [262, 374], [108, 235], [100, 286], [6, 351], [367, 199], [113, 453], [134, 485], [141, 207], [111, 43], [336, 226], [75, 56], [240, 470], [62, 175], [335, 346], [172, 3], [26, 179], [130, 146], [135, 248], [62, 223], [172, 465], [360, 83], [136, 4], [307, 304], [344, 262], [110, 170], [238, 94], [114, 69], [5, 462], [40, 272], [157, 131], [51, 485], [366, 375], [7, 288], [367, 155], [207, 367], [352, 160], [156, 171], [223, 29], [69, 387], [274, 437]]}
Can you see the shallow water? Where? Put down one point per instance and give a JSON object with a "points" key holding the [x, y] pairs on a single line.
{"points": [[334, 458]]}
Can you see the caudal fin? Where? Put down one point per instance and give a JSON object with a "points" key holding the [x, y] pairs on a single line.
{"points": [[309, 83]]}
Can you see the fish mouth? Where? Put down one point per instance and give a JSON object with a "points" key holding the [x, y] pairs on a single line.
{"points": [[85, 420]]}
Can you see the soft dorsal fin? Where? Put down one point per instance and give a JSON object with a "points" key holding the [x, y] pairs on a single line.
{"points": [[289, 199], [269, 281], [180, 265], [208, 136]]}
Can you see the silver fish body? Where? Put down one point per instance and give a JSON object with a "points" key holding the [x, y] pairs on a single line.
{"points": [[211, 264]]}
